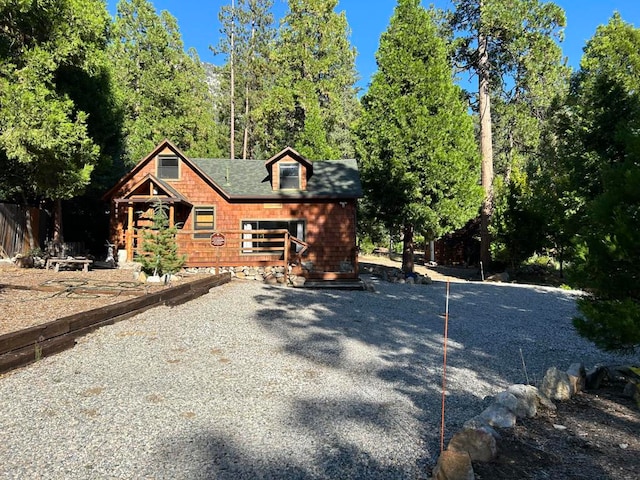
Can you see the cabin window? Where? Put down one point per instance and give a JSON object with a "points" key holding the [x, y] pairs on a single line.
{"points": [[168, 167], [265, 246], [204, 221], [289, 176]]}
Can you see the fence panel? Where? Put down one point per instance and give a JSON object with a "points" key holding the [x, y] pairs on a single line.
{"points": [[19, 228]]}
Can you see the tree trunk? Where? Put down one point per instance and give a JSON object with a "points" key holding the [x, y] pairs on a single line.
{"points": [[407, 250], [486, 149], [232, 139], [29, 225], [245, 137], [58, 238]]}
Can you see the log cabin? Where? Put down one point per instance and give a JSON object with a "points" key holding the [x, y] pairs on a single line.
{"points": [[231, 213]]}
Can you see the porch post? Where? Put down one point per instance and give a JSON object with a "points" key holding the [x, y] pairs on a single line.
{"points": [[287, 244], [171, 215], [129, 241]]}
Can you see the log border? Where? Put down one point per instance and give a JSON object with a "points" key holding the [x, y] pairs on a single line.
{"points": [[26, 346]]}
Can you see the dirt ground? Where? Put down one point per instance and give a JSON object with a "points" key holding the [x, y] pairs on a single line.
{"points": [[596, 435], [33, 296]]}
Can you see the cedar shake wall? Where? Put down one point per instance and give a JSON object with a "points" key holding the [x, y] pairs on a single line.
{"points": [[330, 233]]}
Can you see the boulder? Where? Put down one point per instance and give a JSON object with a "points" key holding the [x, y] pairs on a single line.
{"points": [[453, 465], [577, 377], [270, 280], [477, 442], [527, 396], [298, 281], [498, 416], [556, 385], [498, 277]]}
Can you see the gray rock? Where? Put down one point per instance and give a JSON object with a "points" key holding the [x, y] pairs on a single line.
{"points": [[270, 280], [508, 401], [556, 385], [577, 377], [498, 416], [298, 281], [498, 277], [527, 396]]}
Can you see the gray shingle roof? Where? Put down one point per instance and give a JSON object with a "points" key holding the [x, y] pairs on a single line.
{"points": [[249, 178]]}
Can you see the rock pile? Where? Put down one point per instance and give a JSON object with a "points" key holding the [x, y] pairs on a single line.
{"points": [[395, 275], [476, 442], [270, 275]]}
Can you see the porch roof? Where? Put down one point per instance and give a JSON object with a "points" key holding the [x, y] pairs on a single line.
{"points": [[162, 191]]}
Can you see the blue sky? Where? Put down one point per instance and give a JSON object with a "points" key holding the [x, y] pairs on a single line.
{"points": [[198, 22]]}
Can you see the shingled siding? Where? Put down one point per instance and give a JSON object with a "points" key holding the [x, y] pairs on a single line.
{"points": [[330, 232]]}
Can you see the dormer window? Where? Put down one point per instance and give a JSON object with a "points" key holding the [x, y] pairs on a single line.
{"points": [[168, 167], [289, 176]]}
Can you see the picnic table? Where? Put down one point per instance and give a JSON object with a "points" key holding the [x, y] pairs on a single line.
{"points": [[56, 262]]}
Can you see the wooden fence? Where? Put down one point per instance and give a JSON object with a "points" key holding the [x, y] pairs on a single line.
{"points": [[19, 229]]}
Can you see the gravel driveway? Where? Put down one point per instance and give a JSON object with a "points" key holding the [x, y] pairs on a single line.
{"points": [[252, 381]]}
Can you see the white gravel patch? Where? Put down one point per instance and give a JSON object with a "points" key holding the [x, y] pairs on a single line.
{"points": [[252, 381]]}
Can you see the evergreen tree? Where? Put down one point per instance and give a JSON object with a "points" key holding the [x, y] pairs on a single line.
{"points": [[50, 134], [418, 157], [162, 90], [509, 45], [159, 245], [312, 102], [596, 150], [250, 22]]}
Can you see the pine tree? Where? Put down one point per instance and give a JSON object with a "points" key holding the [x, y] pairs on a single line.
{"points": [[50, 134], [509, 45], [162, 90], [418, 157], [595, 159], [250, 23], [159, 246], [312, 102]]}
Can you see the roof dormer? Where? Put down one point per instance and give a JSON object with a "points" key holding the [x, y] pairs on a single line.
{"points": [[288, 170]]}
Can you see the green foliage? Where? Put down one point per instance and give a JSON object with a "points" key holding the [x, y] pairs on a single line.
{"points": [[366, 245], [159, 245], [613, 325], [517, 226], [251, 22], [312, 102], [511, 46], [594, 148], [162, 90], [418, 158], [47, 138]]}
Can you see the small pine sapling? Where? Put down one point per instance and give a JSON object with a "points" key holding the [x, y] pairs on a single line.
{"points": [[159, 246]]}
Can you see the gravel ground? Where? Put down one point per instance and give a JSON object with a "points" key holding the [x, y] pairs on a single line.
{"points": [[259, 382]]}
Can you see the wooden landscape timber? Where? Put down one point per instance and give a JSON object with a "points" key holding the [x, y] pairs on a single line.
{"points": [[26, 346]]}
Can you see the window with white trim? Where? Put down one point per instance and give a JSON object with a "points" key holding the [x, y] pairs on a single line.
{"points": [[289, 176], [297, 228]]}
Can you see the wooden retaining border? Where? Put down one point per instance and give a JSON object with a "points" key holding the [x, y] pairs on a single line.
{"points": [[30, 344]]}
